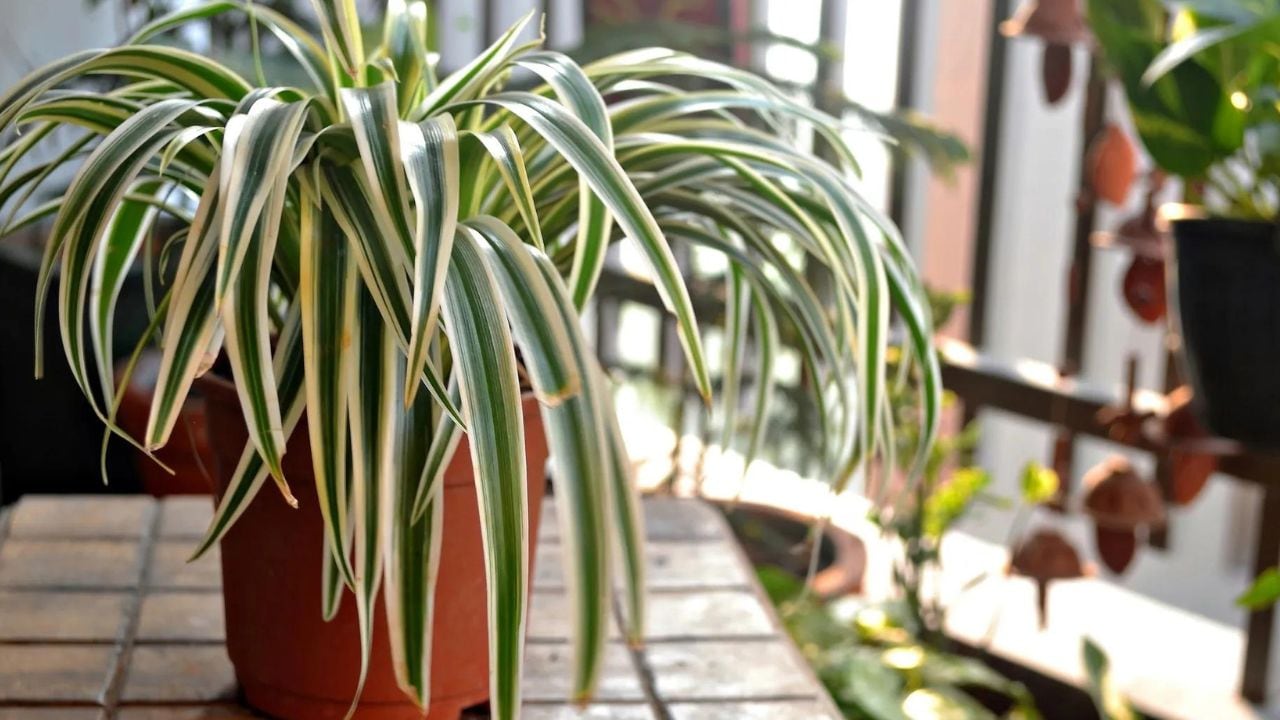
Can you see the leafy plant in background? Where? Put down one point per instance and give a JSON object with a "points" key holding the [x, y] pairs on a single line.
{"points": [[382, 223], [1111, 705], [877, 668], [1203, 82], [1263, 593], [891, 660]]}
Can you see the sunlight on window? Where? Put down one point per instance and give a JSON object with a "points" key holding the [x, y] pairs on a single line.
{"points": [[799, 21], [871, 78]]}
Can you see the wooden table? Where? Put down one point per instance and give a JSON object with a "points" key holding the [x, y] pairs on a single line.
{"points": [[101, 617]]}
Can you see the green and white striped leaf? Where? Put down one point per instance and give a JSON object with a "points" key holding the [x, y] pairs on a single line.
{"points": [[431, 159], [628, 522], [130, 224], [375, 413], [411, 547], [251, 472], [340, 24], [374, 119], [544, 324], [247, 339], [309, 54], [404, 38], [737, 312], [596, 165], [576, 92], [259, 146], [765, 328], [382, 264], [486, 371], [190, 321], [504, 147], [198, 75], [327, 299], [465, 82], [89, 204]]}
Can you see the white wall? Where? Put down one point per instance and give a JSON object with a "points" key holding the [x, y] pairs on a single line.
{"points": [[1211, 542]]}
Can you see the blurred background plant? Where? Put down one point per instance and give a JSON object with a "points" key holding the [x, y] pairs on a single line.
{"points": [[1203, 83], [890, 659], [1108, 701]]}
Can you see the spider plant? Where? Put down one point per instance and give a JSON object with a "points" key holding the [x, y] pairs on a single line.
{"points": [[374, 247]]}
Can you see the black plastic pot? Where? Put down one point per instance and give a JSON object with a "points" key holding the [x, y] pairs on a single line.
{"points": [[1226, 296]]}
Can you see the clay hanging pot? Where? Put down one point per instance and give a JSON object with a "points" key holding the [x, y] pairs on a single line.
{"points": [[1144, 289], [1191, 469], [1044, 556], [1055, 72], [1140, 232], [1113, 164], [1058, 22], [1120, 503]]}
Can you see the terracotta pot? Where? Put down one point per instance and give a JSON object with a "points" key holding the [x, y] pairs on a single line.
{"points": [[1144, 289], [775, 536], [1055, 72], [1113, 165], [1116, 547], [292, 664], [1045, 556], [188, 453]]}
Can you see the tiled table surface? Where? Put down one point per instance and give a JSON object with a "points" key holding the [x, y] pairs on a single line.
{"points": [[101, 617]]}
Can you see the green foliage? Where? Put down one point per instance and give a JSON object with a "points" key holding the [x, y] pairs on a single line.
{"points": [[1039, 483], [1110, 703], [877, 669], [952, 500], [1263, 593], [1202, 90]]}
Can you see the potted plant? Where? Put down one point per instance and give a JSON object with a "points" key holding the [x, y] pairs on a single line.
{"points": [[1202, 86], [360, 261]]}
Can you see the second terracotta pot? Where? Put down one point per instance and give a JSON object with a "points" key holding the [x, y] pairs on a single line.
{"points": [[289, 661]]}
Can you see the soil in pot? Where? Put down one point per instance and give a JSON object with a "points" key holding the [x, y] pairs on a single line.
{"points": [[292, 664], [1226, 291]]}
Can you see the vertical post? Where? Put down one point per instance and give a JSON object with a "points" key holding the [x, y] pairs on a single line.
{"points": [[904, 97], [992, 126], [1081, 263], [1257, 651], [1159, 537], [1086, 212]]}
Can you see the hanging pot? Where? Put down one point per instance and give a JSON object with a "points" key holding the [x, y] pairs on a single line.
{"points": [[1055, 72], [1225, 280], [1143, 288], [1120, 503], [1045, 556], [1058, 22], [1191, 468], [1113, 164]]}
